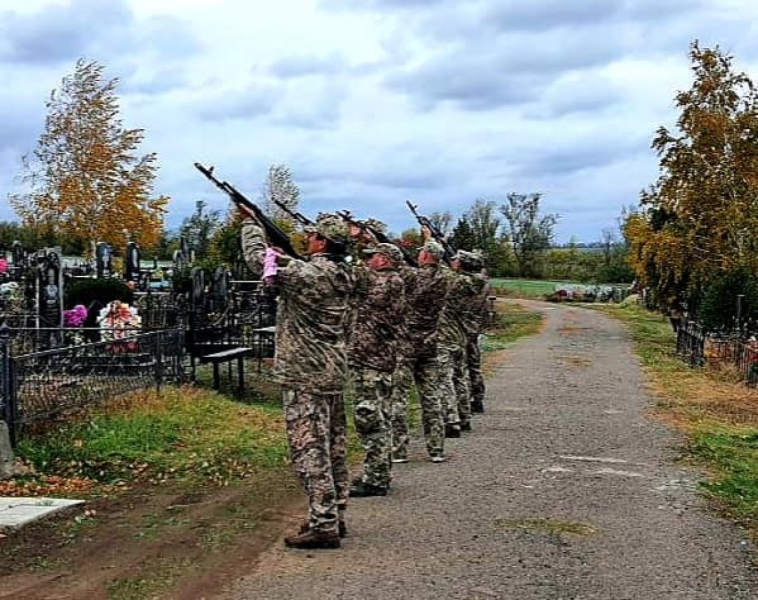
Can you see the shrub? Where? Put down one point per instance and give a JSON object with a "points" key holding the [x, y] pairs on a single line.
{"points": [[718, 310]]}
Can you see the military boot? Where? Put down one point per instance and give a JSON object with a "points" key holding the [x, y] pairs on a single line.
{"points": [[313, 540], [341, 527], [477, 406], [360, 489], [452, 431]]}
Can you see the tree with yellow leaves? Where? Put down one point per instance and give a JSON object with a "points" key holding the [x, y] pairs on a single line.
{"points": [[85, 178], [700, 219]]}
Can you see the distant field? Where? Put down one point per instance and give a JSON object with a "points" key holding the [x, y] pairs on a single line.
{"points": [[529, 288]]}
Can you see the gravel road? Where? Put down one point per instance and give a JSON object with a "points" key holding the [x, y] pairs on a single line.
{"points": [[565, 490]]}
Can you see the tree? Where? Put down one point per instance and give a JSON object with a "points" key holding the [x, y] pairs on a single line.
{"points": [[85, 178], [462, 237], [280, 187], [530, 234], [442, 222], [200, 228], [700, 218], [485, 233]]}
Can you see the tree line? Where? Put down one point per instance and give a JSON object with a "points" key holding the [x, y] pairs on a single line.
{"points": [[86, 181]]}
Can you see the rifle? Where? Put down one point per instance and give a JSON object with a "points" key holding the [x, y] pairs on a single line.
{"points": [[276, 236], [297, 216], [436, 233], [378, 235]]}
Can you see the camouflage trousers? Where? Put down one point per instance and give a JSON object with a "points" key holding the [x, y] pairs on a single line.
{"points": [[317, 435], [454, 385], [424, 372], [373, 418], [402, 380], [474, 359]]}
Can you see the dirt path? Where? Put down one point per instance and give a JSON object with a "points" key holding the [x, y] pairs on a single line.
{"points": [[564, 491]]}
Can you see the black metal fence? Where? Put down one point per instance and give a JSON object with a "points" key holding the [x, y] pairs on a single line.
{"points": [[39, 386], [700, 348]]}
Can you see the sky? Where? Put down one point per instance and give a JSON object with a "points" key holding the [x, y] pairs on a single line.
{"points": [[375, 102]]}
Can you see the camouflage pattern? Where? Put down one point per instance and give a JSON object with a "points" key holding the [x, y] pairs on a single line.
{"points": [[402, 380], [373, 416], [434, 248], [459, 316], [476, 379], [389, 250], [426, 375], [474, 319], [373, 356], [330, 226], [425, 294], [377, 322], [317, 434], [311, 364], [454, 385], [312, 315]]}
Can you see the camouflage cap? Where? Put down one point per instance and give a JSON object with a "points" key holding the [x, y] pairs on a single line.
{"points": [[475, 258], [389, 250], [375, 224], [434, 248], [332, 227]]}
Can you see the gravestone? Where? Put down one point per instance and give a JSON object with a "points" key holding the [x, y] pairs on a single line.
{"points": [[103, 256], [132, 262], [7, 461]]}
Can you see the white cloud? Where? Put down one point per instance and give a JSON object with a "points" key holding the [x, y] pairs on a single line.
{"points": [[443, 102]]}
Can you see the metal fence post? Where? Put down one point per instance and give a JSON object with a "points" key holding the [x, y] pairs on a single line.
{"points": [[8, 399], [158, 359]]}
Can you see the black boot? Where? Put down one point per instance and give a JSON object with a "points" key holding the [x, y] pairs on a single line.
{"points": [[477, 406], [313, 540], [360, 489], [452, 431]]}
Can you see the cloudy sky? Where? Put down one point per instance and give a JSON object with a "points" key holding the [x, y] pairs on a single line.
{"points": [[372, 102]]}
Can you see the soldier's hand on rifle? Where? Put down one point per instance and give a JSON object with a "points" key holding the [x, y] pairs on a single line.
{"points": [[245, 213], [426, 233]]}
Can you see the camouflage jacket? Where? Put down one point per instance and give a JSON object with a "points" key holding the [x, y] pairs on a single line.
{"points": [[474, 316], [425, 295], [451, 332], [312, 315], [373, 341]]}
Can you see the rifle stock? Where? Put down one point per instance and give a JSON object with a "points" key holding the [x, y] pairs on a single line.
{"points": [[275, 235]]}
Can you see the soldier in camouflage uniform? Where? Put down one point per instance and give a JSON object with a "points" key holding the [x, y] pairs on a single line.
{"points": [[474, 319], [372, 357], [310, 364], [451, 353], [425, 293], [402, 378]]}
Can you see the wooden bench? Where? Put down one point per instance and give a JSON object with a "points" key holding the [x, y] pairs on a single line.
{"points": [[227, 356]]}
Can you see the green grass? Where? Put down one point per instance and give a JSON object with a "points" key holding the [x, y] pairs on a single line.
{"points": [[179, 433], [734, 455], [528, 288], [718, 414], [513, 322], [549, 526]]}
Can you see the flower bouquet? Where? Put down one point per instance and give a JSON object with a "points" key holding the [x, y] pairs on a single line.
{"points": [[73, 319], [118, 321]]}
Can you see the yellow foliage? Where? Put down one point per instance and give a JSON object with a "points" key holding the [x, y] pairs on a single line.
{"points": [[87, 181]]}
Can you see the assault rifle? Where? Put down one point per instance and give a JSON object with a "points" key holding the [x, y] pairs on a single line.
{"points": [[297, 216], [436, 233], [378, 235], [276, 236]]}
